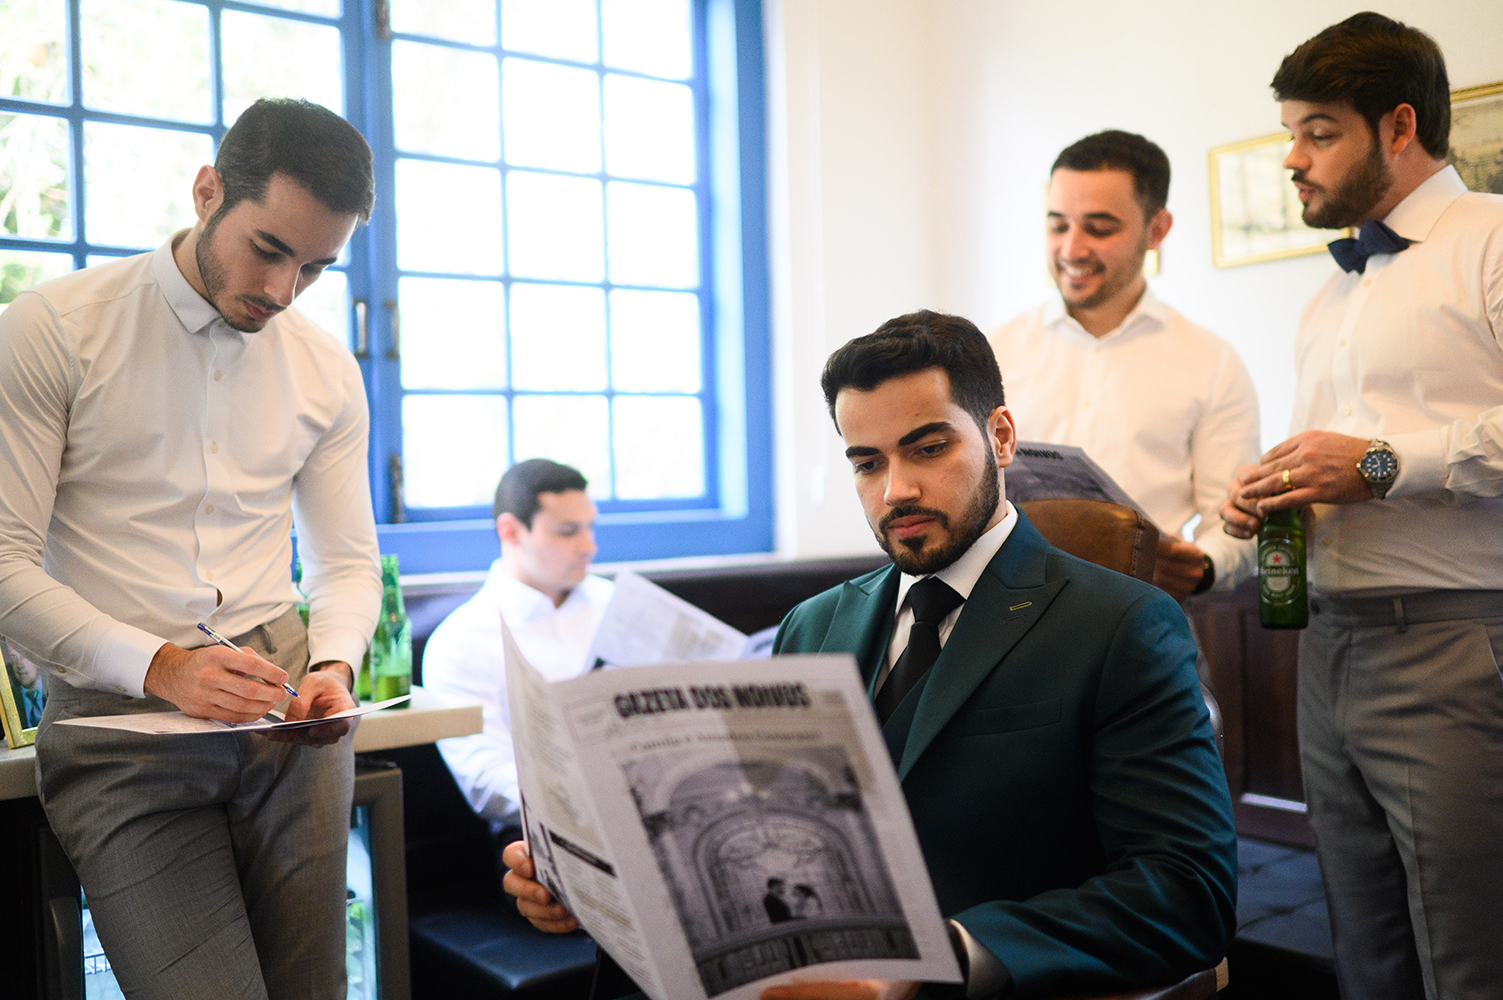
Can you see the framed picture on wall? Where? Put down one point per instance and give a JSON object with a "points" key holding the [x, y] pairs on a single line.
{"points": [[1477, 136], [21, 699], [1255, 211]]}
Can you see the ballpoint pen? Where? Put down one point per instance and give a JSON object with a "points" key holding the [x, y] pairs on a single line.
{"points": [[225, 642]]}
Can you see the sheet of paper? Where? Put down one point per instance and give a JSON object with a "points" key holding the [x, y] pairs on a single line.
{"points": [[645, 624], [1041, 471], [177, 723], [755, 825]]}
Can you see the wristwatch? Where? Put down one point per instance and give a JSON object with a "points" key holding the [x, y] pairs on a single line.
{"points": [[1379, 467]]}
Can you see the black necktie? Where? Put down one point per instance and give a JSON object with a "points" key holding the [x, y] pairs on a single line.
{"points": [[931, 600], [1375, 237]]}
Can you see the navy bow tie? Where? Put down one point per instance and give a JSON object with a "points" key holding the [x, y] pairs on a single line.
{"points": [[1375, 237]]}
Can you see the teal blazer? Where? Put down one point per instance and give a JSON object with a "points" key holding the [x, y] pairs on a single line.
{"points": [[1060, 767]]}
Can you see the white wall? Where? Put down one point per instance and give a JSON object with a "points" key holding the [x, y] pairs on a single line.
{"points": [[910, 145]]}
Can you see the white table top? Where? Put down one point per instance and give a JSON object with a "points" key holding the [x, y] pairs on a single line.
{"points": [[427, 718]]}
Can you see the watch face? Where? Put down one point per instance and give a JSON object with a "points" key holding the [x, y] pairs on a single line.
{"points": [[1380, 466]]}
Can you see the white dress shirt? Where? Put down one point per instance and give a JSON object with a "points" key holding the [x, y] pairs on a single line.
{"points": [[961, 575], [1411, 352], [1166, 407], [464, 657], [153, 463]]}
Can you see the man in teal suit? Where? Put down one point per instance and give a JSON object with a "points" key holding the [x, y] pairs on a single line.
{"points": [[1057, 757]]}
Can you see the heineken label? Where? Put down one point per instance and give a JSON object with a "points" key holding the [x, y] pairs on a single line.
{"points": [[1279, 573]]}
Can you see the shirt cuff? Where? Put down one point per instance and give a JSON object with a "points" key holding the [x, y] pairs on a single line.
{"points": [[121, 664], [1422, 462], [985, 975], [344, 644]]}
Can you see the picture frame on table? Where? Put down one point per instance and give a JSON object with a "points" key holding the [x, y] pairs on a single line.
{"points": [[1255, 211], [1477, 137], [21, 696]]}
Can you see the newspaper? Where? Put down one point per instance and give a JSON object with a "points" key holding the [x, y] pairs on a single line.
{"points": [[1041, 471], [643, 623], [726, 826], [178, 723]]}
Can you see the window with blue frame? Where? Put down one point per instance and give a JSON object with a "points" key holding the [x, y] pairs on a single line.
{"points": [[567, 257]]}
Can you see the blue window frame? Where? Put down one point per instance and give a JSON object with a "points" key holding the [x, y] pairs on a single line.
{"points": [[723, 505]]}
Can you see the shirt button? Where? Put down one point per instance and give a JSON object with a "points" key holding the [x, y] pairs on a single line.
{"points": [[1086, 405], [213, 448], [209, 509], [218, 376], [1367, 282], [1325, 542], [1339, 343], [1346, 411], [209, 577]]}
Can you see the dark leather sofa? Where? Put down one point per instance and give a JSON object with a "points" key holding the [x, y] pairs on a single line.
{"points": [[466, 937]]}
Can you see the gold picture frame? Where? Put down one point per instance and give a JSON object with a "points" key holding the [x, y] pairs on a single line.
{"points": [[1255, 211], [1477, 136], [19, 714]]}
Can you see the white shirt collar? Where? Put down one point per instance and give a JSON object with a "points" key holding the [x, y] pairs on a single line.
{"points": [[1149, 314], [192, 310], [521, 603], [963, 573], [1416, 215]]}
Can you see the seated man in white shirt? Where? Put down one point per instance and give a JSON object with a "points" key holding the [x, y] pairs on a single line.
{"points": [[542, 587], [1164, 406]]}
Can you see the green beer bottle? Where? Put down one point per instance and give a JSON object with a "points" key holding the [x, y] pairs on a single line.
{"points": [[391, 646], [1282, 599], [297, 582]]}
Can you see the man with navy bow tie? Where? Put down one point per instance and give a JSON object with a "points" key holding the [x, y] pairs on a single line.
{"points": [[1398, 458]]}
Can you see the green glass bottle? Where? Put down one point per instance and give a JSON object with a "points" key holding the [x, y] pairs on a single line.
{"points": [[297, 582], [363, 678], [391, 646], [1283, 601]]}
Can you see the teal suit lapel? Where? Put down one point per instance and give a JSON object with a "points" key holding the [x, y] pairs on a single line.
{"points": [[1008, 599], [863, 621]]}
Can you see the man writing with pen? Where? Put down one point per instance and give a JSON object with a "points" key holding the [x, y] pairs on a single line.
{"points": [[165, 422]]}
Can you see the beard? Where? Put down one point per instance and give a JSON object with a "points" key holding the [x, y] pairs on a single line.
{"points": [[1111, 285], [910, 555], [212, 271], [1354, 196]]}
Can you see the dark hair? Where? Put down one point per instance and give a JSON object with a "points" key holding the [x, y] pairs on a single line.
{"points": [[307, 142], [1375, 64], [517, 493], [913, 343], [1118, 150]]}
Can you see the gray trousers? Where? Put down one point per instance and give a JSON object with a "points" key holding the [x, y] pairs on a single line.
{"points": [[1401, 740], [214, 865]]}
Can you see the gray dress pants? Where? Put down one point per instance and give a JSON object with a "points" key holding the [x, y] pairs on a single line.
{"points": [[214, 865], [1401, 740]]}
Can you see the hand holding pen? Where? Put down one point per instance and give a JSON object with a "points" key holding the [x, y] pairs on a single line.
{"points": [[221, 640]]}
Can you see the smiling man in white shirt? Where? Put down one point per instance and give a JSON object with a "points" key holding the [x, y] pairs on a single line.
{"points": [[1398, 454], [165, 422], [542, 587], [1166, 407]]}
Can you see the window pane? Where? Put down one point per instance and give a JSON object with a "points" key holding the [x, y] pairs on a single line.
{"points": [[140, 182], [23, 269], [563, 29], [659, 447], [129, 44], [33, 51], [325, 8], [278, 57], [649, 129], [34, 176], [327, 303], [653, 236], [453, 334], [567, 429], [649, 36], [555, 226], [654, 341], [558, 337], [444, 101], [552, 116], [453, 449], [448, 218], [472, 21]]}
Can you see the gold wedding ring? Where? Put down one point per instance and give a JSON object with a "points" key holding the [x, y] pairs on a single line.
{"points": [[1287, 484]]}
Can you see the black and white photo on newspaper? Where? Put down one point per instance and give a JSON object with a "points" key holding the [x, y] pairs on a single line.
{"points": [[721, 827]]}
